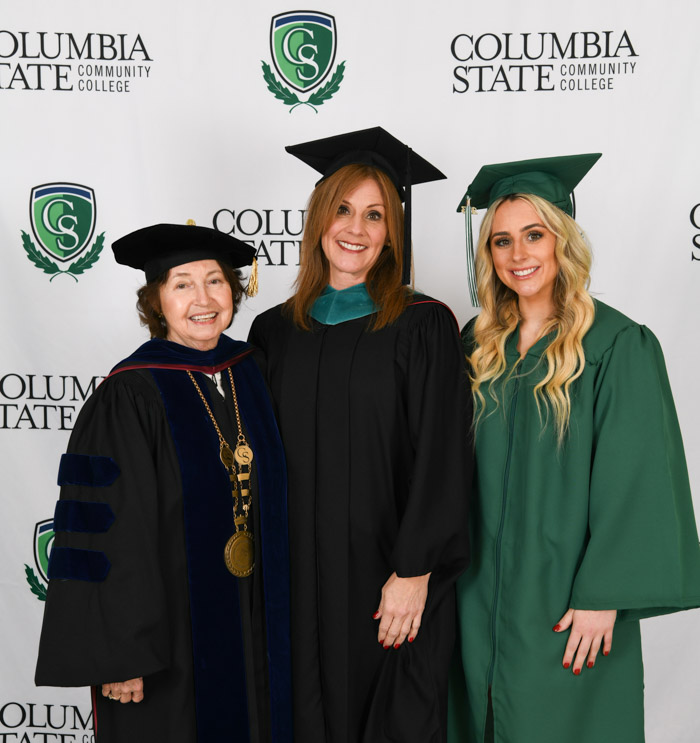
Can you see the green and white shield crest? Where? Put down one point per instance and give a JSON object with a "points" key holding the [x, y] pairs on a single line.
{"points": [[303, 47], [63, 218], [43, 540]]}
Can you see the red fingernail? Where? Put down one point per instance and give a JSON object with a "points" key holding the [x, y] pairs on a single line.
{"points": [[606, 652], [411, 639], [386, 647], [590, 664], [566, 665], [375, 615], [397, 646], [556, 627], [577, 671]]}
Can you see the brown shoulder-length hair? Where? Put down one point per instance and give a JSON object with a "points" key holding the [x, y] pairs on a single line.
{"points": [[148, 299], [384, 277]]}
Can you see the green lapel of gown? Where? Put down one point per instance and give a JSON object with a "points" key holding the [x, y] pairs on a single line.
{"points": [[335, 306], [532, 355]]}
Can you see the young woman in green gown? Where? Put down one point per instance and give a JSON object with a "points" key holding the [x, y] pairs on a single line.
{"points": [[583, 519]]}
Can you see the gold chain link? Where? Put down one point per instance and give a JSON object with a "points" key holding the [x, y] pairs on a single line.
{"points": [[222, 440]]}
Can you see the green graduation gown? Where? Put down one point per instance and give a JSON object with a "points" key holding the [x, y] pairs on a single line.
{"points": [[605, 522]]}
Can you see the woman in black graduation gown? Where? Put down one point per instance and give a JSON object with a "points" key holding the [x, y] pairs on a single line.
{"points": [[369, 382], [169, 575]]}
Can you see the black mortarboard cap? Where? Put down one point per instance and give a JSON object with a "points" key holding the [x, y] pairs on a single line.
{"points": [[552, 178], [157, 248], [378, 148]]}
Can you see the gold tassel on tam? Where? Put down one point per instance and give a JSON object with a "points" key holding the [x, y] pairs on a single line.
{"points": [[252, 289]]}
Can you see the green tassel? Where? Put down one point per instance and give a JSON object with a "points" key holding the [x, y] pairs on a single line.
{"points": [[471, 270]]}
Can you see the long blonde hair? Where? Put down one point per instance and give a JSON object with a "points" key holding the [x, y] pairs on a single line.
{"points": [[384, 277], [573, 315]]}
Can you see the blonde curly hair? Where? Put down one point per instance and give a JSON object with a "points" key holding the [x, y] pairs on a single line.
{"points": [[573, 315]]}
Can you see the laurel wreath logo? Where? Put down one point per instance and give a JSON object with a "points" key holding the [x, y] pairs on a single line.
{"points": [[38, 588], [317, 98], [48, 266]]}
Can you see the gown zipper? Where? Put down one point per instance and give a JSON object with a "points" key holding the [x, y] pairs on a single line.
{"points": [[499, 535]]}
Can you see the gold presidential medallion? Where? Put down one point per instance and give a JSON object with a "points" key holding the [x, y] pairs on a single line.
{"points": [[239, 554]]}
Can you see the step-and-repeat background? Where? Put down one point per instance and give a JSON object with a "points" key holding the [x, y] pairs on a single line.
{"points": [[118, 115]]}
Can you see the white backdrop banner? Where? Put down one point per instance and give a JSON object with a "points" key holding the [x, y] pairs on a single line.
{"points": [[118, 115]]}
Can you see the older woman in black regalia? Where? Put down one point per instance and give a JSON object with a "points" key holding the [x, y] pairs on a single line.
{"points": [[371, 391], [169, 579]]}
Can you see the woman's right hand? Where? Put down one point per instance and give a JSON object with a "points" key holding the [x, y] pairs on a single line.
{"points": [[124, 691], [401, 609]]}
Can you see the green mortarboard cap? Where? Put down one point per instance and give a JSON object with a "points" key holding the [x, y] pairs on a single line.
{"points": [[378, 148], [552, 178], [157, 248]]}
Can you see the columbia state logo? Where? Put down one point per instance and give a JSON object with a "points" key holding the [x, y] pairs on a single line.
{"points": [[303, 45], [63, 218], [43, 541]]}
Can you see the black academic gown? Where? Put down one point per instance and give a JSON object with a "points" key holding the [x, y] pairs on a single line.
{"points": [[138, 585], [375, 428]]}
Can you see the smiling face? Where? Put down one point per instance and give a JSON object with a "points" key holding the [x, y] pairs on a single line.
{"points": [[523, 251], [197, 303], [355, 238]]}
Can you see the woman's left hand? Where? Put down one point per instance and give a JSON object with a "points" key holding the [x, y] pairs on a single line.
{"points": [[589, 630], [401, 609]]}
